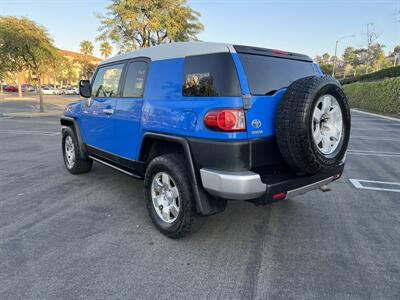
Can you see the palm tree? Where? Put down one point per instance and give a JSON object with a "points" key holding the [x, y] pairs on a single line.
{"points": [[105, 49], [86, 47]]}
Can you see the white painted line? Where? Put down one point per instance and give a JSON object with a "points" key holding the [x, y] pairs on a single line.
{"points": [[30, 121], [366, 137], [379, 129], [373, 154], [373, 151], [376, 115], [376, 123], [357, 183], [29, 132]]}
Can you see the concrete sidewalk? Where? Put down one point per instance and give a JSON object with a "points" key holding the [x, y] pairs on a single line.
{"points": [[28, 106]]}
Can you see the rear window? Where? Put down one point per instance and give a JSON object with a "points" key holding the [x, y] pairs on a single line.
{"points": [[267, 74], [210, 75]]}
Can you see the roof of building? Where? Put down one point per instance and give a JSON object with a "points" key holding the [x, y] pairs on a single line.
{"points": [[174, 50], [80, 55]]}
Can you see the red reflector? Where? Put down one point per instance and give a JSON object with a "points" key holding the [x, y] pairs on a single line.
{"points": [[281, 52], [337, 176], [279, 195], [225, 119]]}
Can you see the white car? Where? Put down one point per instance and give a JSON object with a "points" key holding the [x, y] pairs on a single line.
{"points": [[46, 90], [70, 90]]}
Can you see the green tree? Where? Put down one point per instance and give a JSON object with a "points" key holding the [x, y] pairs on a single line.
{"points": [[326, 68], [12, 61], [87, 68], [135, 24], [350, 56], [105, 49], [318, 59], [23, 39], [86, 47], [325, 58]]}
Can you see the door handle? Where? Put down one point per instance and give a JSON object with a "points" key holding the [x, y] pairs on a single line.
{"points": [[108, 111]]}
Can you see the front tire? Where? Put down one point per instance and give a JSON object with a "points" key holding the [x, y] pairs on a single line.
{"points": [[169, 197], [73, 160]]}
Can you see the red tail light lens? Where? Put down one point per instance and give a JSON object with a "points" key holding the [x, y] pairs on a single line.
{"points": [[225, 119]]}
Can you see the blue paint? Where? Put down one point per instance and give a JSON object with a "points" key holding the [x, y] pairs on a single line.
{"points": [[164, 109]]}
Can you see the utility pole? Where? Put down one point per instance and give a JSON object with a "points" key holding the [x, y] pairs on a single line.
{"points": [[336, 47]]}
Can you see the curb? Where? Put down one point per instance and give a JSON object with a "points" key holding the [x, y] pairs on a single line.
{"points": [[32, 115]]}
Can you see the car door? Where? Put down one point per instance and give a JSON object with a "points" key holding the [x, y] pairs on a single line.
{"points": [[129, 107], [97, 120]]}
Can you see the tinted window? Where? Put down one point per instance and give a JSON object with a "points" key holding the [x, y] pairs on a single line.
{"points": [[210, 75], [266, 74], [134, 81], [106, 81]]}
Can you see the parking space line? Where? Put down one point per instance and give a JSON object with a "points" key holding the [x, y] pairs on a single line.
{"points": [[366, 137], [358, 184], [30, 132], [373, 129], [376, 115], [374, 153]]}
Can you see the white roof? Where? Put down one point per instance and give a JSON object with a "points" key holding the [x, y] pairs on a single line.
{"points": [[174, 50]]}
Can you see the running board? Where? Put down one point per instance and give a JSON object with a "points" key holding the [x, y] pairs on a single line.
{"points": [[115, 167]]}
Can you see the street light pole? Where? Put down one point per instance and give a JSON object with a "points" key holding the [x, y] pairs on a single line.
{"points": [[336, 47]]}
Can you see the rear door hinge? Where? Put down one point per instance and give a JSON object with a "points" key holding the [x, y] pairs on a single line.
{"points": [[246, 101]]}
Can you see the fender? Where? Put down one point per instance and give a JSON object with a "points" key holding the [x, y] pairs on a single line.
{"points": [[72, 122], [205, 204]]}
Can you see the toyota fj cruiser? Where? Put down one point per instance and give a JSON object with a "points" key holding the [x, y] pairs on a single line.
{"points": [[203, 123]]}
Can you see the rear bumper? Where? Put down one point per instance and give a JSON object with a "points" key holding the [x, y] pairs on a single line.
{"points": [[247, 185]]}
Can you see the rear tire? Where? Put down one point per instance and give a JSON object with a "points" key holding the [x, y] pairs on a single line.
{"points": [[73, 160], [169, 197], [313, 124]]}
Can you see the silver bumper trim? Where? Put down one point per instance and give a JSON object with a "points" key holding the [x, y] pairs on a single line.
{"points": [[233, 185], [307, 188]]}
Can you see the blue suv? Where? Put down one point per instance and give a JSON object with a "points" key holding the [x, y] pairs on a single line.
{"points": [[203, 123]]}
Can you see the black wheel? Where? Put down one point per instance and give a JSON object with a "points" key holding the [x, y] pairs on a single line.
{"points": [[313, 124], [74, 162], [169, 196]]}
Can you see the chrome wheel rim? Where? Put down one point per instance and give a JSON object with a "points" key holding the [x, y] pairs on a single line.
{"points": [[165, 197], [69, 152], [327, 124]]}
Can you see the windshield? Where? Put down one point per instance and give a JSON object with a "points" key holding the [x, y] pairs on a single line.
{"points": [[268, 74]]}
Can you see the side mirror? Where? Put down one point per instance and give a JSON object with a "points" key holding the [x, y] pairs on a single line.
{"points": [[85, 89]]}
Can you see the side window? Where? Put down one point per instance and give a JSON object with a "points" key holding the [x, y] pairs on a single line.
{"points": [[134, 81], [210, 75], [107, 80]]}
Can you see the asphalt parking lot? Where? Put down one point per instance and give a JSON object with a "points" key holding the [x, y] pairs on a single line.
{"points": [[89, 236]]}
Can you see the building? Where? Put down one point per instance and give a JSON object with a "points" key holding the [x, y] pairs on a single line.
{"points": [[69, 72]]}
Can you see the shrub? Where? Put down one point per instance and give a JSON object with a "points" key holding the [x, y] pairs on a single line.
{"points": [[379, 96], [385, 73]]}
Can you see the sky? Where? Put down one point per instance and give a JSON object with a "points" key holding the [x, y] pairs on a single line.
{"points": [[306, 26]]}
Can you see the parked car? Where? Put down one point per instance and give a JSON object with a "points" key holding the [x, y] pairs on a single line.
{"points": [[70, 90], [28, 88], [47, 90], [10, 89], [207, 123]]}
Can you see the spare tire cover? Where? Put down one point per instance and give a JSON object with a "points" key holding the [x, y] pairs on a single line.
{"points": [[313, 124]]}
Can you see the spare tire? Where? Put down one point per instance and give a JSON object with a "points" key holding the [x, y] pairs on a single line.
{"points": [[313, 124]]}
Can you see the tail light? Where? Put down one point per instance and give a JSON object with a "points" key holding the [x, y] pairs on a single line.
{"points": [[280, 52], [225, 119]]}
